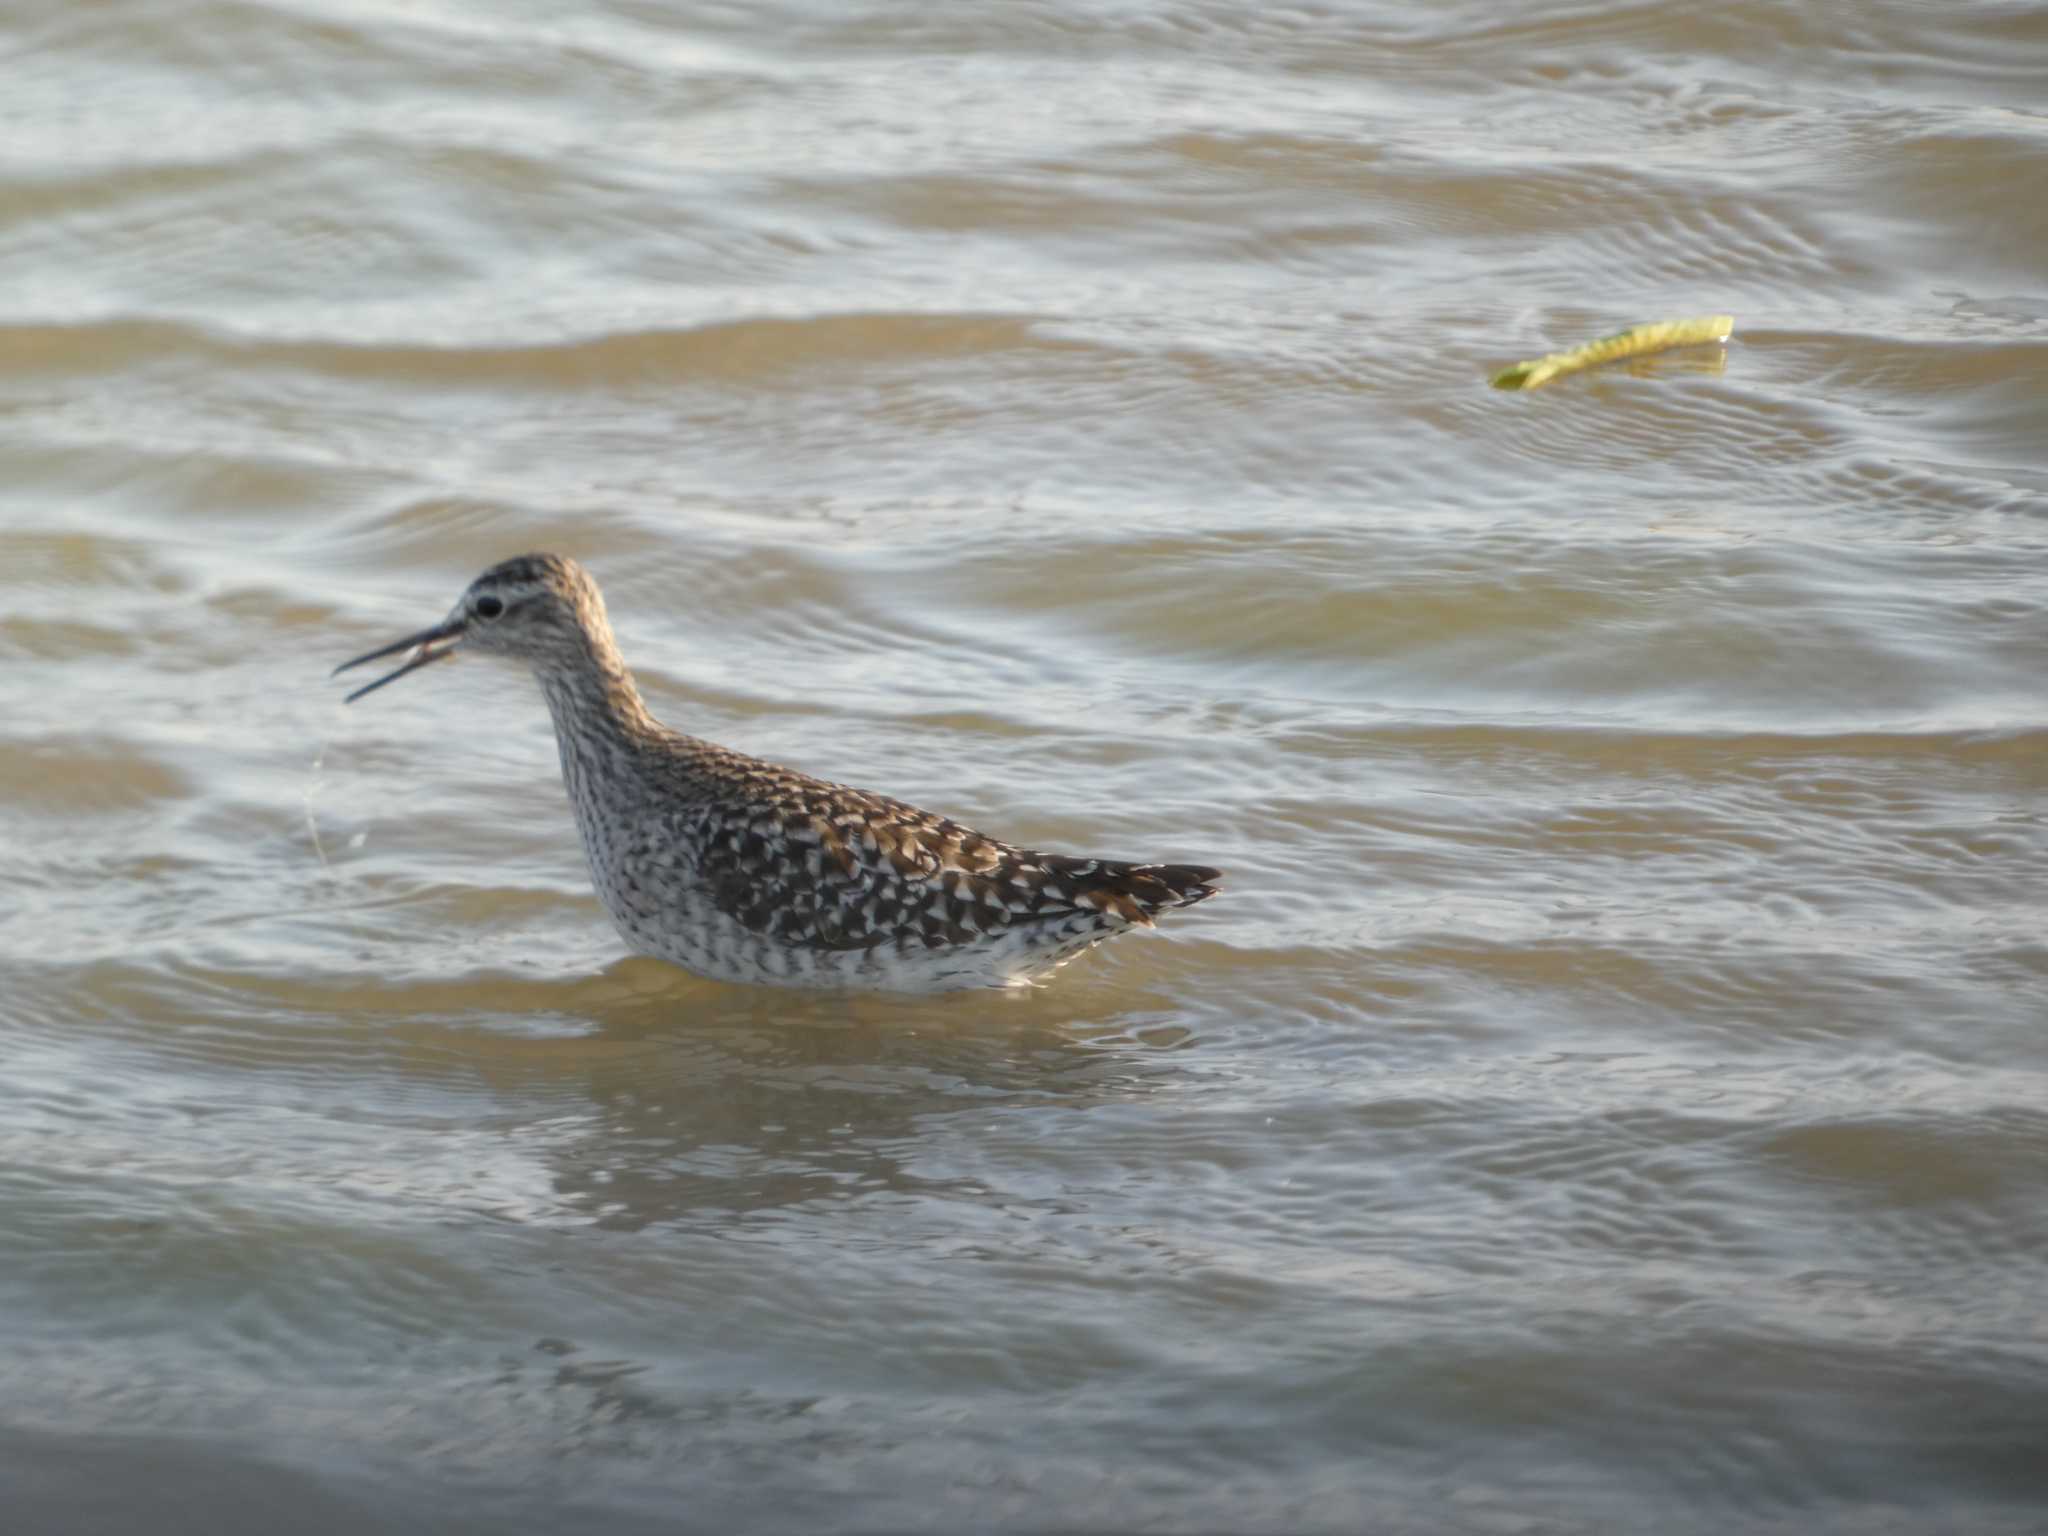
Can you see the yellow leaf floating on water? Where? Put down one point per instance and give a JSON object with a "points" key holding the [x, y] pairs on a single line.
{"points": [[1636, 341]]}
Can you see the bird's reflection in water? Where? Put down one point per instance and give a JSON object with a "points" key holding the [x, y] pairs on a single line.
{"points": [[715, 1105]]}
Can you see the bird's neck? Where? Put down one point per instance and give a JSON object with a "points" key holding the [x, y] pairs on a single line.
{"points": [[595, 696]]}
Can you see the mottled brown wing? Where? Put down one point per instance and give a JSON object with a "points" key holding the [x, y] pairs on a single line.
{"points": [[816, 865], [827, 867]]}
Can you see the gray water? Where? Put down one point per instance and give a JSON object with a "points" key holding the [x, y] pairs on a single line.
{"points": [[1609, 1095]]}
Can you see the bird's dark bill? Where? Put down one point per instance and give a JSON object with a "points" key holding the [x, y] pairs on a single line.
{"points": [[429, 645]]}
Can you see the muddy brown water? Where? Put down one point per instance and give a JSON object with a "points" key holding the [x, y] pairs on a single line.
{"points": [[1613, 1092]]}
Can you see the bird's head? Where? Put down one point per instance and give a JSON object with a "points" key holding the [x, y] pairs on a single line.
{"points": [[539, 609]]}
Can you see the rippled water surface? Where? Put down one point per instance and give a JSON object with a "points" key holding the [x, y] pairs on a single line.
{"points": [[1612, 1092]]}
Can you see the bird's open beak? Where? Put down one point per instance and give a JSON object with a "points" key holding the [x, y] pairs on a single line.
{"points": [[446, 636]]}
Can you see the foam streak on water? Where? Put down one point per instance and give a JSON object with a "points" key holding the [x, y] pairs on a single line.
{"points": [[1612, 1094]]}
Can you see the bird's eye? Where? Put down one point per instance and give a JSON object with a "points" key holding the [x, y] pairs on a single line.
{"points": [[489, 607]]}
